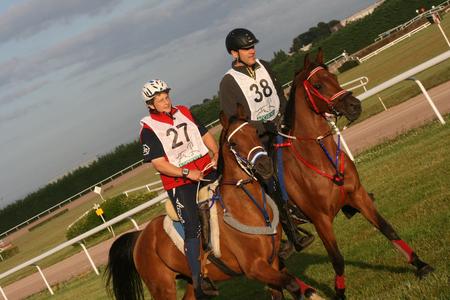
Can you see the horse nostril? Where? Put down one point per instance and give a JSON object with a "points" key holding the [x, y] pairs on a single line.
{"points": [[264, 167]]}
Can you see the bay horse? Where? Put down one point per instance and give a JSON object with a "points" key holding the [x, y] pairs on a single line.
{"points": [[320, 178], [150, 254]]}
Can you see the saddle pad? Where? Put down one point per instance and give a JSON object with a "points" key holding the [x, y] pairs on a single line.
{"points": [[207, 192], [175, 231]]}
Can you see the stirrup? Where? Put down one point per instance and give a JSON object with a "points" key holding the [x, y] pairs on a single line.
{"points": [[303, 242], [206, 289]]}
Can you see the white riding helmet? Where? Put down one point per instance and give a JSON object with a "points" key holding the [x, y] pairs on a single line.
{"points": [[152, 88]]}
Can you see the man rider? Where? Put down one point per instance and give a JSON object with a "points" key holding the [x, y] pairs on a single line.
{"points": [[252, 83]]}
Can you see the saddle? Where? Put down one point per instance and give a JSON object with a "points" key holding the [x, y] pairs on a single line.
{"points": [[208, 221]]}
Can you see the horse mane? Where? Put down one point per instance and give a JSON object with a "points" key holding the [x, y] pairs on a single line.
{"points": [[289, 113]]}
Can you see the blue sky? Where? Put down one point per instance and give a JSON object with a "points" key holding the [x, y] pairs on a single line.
{"points": [[71, 71]]}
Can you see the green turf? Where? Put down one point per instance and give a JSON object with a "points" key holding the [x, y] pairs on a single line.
{"points": [[409, 177], [399, 58]]}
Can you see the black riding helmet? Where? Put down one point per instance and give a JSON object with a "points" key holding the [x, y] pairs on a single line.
{"points": [[240, 38]]}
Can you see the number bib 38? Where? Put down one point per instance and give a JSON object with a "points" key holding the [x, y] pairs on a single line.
{"points": [[181, 140], [260, 93]]}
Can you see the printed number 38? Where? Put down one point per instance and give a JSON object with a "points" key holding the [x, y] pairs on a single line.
{"points": [[264, 86]]}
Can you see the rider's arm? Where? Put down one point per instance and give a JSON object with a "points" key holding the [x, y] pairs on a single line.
{"points": [[211, 144], [164, 167], [153, 152]]}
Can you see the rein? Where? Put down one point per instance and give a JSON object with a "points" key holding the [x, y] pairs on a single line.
{"points": [[246, 164], [339, 159], [311, 90]]}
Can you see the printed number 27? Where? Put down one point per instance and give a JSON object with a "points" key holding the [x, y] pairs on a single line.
{"points": [[175, 142]]}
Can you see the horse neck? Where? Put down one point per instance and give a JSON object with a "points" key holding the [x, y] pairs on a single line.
{"points": [[307, 124]]}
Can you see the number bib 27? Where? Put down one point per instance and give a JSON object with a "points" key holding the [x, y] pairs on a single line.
{"points": [[181, 140]]}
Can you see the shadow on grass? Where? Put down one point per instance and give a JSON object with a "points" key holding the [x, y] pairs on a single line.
{"points": [[298, 264]]}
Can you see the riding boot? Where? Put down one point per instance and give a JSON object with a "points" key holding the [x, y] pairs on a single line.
{"points": [[203, 287], [204, 214], [296, 236]]}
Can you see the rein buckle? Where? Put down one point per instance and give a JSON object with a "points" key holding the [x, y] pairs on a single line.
{"points": [[338, 179]]}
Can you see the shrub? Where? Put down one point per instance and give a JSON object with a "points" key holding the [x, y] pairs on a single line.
{"points": [[111, 207], [348, 65], [9, 252]]}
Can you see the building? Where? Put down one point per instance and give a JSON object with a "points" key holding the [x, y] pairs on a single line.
{"points": [[362, 13]]}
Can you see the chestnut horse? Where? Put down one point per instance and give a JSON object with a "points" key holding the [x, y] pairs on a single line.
{"points": [[150, 254], [320, 178]]}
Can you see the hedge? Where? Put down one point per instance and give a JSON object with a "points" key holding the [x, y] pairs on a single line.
{"points": [[112, 208], [347, 66]]}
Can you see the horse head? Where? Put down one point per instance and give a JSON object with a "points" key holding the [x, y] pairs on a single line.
{"points": [[323, 92], [241, 139]]}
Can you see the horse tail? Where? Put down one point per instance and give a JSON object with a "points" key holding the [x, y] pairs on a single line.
{"points": [[121, 271]]}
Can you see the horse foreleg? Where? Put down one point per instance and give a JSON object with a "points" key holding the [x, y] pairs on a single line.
{"points": [[324, 229], [263, 272], [189, 292], [368, 210]]}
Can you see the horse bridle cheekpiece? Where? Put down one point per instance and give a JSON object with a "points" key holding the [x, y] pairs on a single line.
{"points": [[311, 90], [246, 163]]}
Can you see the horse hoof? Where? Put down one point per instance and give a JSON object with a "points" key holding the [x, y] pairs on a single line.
{"points": [[313, 296], [424, 271]]}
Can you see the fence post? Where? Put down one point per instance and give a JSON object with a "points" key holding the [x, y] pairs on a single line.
{"points": [[45, 280], [427, 96], [89, 258], [3, 293], [134, 223]]}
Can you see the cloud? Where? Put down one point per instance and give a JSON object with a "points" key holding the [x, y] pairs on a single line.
{"points": [[23, 91], [122, 37], [28, 18]]}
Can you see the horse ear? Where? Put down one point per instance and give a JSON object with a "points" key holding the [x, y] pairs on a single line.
{"points": [[319, 57], [306, 61], [223, 119], [240, 111]]}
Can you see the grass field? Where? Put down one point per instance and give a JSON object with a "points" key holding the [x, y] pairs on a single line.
{"points": [[409, 177], [399, 58]]}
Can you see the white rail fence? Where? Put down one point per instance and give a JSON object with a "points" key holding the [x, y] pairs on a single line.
{"points": [[396, 41], [400, 27], [76, 196], [79, 239], [404, 76], [147, 186]]}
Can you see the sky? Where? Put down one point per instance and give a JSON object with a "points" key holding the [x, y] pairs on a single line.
{"points": [[71, 71]]}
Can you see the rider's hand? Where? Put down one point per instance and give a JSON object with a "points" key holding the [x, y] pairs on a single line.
{"points": [[214, 160], [195, 175], [270, 127]]}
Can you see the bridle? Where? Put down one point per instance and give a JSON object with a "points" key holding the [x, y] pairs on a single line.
{"points": [[312, 91], [246, 163]]}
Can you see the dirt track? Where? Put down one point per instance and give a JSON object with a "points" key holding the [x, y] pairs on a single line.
{"points": [[383, 126]]}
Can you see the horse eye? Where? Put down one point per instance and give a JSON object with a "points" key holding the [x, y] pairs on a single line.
{"points": [[317, 86]]}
